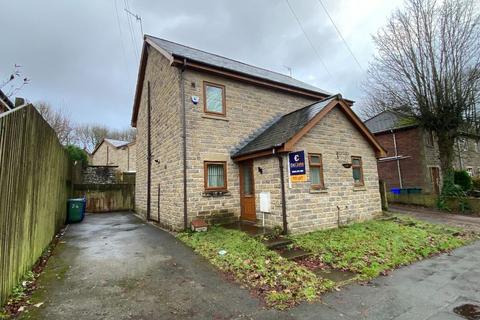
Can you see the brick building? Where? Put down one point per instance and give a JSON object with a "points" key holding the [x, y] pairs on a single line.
{"points": [[412, 159], [215, 135], [112, 152]]}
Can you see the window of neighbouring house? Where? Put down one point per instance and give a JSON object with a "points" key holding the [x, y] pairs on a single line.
{"points": [[316, 171], [215, 175], [214, 98], [470, 172], [429, 138], [357, 171]]}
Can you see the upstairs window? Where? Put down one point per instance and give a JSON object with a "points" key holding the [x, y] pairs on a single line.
{"points": [[316, 171], [214, 98], [357, 171], [215, 175]]}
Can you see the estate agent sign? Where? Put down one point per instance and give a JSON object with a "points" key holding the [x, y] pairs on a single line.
{"points": [[296, 166]]}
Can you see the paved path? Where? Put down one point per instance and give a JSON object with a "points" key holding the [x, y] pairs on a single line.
{"points": [[114, 266], [436, 216]]}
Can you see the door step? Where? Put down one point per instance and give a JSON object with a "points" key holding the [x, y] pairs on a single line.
{"points": [[277, 243]]}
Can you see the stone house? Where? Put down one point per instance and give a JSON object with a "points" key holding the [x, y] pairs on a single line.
{"points": [[216, 137], [118, 153], [412, 159]]}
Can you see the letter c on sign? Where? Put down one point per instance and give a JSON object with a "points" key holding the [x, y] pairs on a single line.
{"points": [[297, 157]]}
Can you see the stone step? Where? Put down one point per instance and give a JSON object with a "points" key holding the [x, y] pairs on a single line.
{"points": [[277, 243], [221, 220], [292, 254]]}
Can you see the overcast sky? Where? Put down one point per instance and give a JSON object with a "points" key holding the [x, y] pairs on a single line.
{"points": [[83, 59]]}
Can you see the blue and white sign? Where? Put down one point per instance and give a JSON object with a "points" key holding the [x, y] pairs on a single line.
{"points": [[296, 166]]}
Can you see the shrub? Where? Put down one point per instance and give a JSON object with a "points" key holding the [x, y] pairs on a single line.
{"points": [[77, 154], [463, 179]]}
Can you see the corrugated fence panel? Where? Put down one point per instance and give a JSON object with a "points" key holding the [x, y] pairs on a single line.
{"points": [[34, 180]]}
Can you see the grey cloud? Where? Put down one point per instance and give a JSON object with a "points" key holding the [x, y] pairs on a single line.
{"points": [[73, 52]]}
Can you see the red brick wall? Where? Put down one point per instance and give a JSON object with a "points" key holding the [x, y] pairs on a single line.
{"points": [[409, 143]]}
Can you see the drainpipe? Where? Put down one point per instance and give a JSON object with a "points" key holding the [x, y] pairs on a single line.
{"points": [[149, 153], [284, 201], [398, 160], [184, 142]]}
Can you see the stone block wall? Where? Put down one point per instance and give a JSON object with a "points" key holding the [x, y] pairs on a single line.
{"points": [[100, 175], [308, 209], [167, 165], [249, 109]]}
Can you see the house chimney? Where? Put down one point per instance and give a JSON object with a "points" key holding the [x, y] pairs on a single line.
{"points": [[19, 102]]}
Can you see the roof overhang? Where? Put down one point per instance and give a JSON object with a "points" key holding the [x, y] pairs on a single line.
{"points": [[397, 129], [289, 145], [182, 62]]}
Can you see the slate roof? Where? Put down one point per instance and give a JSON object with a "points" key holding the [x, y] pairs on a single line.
{"points": [[217, 61], [117, 143], [387, 120], [284, 128]]}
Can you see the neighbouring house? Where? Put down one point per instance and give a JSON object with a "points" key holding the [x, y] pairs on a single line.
{"points": [[5, 103], [111, 152], [412, 159], [220, 138]]}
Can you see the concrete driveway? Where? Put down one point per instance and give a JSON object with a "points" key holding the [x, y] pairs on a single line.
{"points": [[114, 266]]}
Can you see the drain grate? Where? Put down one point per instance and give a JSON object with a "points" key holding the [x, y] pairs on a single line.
{"points": [[468, 311]]}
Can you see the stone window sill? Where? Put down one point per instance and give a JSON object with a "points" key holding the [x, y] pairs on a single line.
{"points": [[318, 190], [359, 188], [224, 193], [214, 117]]}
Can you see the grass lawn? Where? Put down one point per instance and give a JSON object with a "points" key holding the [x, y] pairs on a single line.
{"points": [[374, 247], [368, 249], [278, 281]]}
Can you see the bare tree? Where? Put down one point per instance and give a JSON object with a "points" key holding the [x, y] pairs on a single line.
{"points": [[89, 136], [59, 121], [428, 66], [16, 81]]}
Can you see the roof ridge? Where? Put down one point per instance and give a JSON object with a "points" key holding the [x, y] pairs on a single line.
{"points": [[218, 55]]}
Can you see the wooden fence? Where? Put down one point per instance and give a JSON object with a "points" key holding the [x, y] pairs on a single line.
{"points": [[34, 186]]}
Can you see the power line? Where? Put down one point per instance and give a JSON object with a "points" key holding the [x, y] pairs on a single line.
{"points": [[121, 37], [138, 18], [130, 28], [306, 36], [340, 35]]}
